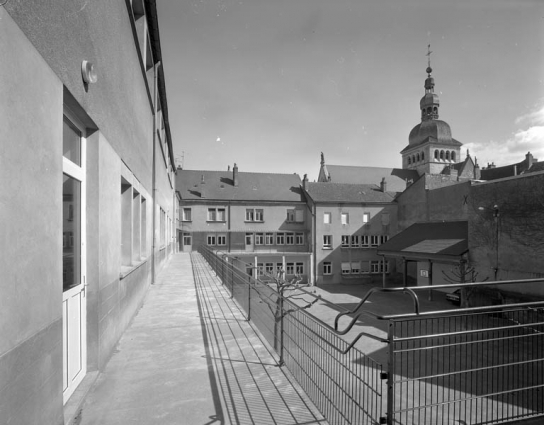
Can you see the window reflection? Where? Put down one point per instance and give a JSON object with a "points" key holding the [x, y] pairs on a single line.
{"points": [[71, 146], [71, 232]]}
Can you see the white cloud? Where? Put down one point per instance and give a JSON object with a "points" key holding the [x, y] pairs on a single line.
{"points": [[528, 137]]}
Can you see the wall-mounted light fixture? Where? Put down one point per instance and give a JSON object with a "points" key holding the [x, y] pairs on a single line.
{"points": [[88, 73]]}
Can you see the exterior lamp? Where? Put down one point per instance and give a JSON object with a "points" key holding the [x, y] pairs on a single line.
{"points": [[88, 73]]}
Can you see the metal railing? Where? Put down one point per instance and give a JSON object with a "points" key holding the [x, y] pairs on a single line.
{"points": [[480, 365], [344, 384]]}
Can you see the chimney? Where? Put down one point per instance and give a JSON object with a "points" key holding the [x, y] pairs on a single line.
{"points": [[529, 160], [202, 186], [228, 167], [515, 169], [477, 172], [383, 185], [235, 175], [305, 181]]}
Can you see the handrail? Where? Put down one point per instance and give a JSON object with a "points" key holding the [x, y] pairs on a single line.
{"points": [[405, 290]]}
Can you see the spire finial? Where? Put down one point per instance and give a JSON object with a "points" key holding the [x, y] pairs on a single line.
{"points": [[428, 54]]}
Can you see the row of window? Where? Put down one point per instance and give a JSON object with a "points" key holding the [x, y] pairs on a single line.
{"points": [[344, 218], [279, 238], [363, 241], [276, 269], [356, 241], [443, 155], [260, 239], [358, 267], [252, 214]]}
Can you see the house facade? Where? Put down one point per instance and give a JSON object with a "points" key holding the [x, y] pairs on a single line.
{"points": [[261, 218], [349, 222], [87, 207]]}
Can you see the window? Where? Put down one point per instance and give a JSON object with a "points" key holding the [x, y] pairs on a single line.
{"points": [[355, 267], [366, 218], [290, 238], [365, 267], [279, 270], [453, 156], [355, 241], [290, 268], [327, 241], [187, 240], [382, 264], [254, 214], [435, 154], [299, 216], [280, 239], [269, 239], [269, 268], [374, 240], [300, 238], [212, 214], [365, 241], [211, 239], [327, 267], [259, 239], [327, 217], [250, 215], [216, 214], [260, 269], [249, 238], [345, 218], [346, 269], [126, 222], [291, 215], [383, 239], [186, 214], [299, 268], [345, 241], [375, 267], [221, 240]]}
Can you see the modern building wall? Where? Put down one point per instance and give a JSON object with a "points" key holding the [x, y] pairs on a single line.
{"points": [[30, 239], [42, 46]]}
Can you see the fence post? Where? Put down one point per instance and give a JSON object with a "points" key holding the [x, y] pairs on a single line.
{"points": [[249, 299], [390, 376], [281, 325]]}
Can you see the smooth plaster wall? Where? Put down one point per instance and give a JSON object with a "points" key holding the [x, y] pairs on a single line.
{"points": [[30, 234], [65, 32]]}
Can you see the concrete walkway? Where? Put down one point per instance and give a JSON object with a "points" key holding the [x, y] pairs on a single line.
{"points": [[189, 357]]}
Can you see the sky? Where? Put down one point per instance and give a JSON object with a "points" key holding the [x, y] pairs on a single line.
{"points": [[270, 84]]}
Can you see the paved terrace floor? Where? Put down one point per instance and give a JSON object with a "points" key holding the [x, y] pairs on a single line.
{"points": [[189, 357]]}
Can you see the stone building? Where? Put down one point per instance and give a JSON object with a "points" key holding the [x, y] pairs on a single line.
{"points": [[87, 204], [261, 218], [349, 222]]}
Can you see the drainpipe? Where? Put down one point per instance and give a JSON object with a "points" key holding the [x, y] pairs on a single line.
{"points": [[153, 177]]}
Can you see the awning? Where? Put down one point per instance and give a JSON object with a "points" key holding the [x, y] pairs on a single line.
{"points": [[445, 241]]}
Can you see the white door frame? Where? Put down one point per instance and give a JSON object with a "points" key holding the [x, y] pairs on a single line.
{"points": [[76, 296]]}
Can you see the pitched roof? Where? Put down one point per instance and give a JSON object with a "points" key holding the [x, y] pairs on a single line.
{"points": [[344, 192], [218, 185], [445, 240], [395, 177]]}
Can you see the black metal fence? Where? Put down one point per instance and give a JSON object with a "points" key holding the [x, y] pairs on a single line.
{"points": [[483, 365], [477, 368], [343, 383]]}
